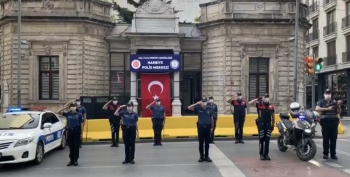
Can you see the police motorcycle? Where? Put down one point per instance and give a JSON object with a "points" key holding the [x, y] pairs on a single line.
{"points": [[298, 134]]}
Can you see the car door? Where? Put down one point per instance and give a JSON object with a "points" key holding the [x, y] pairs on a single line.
{"points": [[46, 133], [56, 130]]}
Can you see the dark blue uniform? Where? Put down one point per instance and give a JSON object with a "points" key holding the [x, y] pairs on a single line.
{"points": [[158, 122], [239, 107], [214, 109], [114, 122], [129, 121], [265, 113], [204, 128], [74, 121], [82, 110], [329, 123]]}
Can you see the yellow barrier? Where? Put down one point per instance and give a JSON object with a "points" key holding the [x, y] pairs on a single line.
{"points": [[177, 127]]}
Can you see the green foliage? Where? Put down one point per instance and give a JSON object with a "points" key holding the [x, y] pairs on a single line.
{"points": [[196, 19]]}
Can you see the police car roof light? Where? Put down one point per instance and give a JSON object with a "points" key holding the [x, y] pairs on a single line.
{"points": [[14, 109]]}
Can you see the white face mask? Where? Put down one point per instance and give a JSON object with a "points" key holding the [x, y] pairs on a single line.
{"points": [[240, 97], [204, 104], [129, 109], [73, 108], [266, 100], [158, 103], [211, 101], [328, 96], [115, 102], [78, 103]]}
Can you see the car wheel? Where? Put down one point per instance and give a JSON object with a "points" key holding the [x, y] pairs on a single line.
{"points": [[63, 142], [39, 154]]}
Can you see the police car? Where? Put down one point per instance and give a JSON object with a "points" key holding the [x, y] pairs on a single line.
{"points": [[27, 135]]}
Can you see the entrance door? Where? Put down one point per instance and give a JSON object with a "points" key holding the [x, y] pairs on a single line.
{"points": [[94, 106], [190, 90]]}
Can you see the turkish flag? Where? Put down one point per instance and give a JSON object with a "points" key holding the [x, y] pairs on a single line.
{"points": [[155, 86]]}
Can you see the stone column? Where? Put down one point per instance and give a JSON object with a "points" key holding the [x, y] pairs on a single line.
{"points": [[133, 89], [176, 104], [5, 96], [300, 97]]}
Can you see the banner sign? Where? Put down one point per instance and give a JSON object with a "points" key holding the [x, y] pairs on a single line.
{"points": [[155, 63]]}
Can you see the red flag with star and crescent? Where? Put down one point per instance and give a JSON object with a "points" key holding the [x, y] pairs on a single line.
{"points": [[155, 86]]}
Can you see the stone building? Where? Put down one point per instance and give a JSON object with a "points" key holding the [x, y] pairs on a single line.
{"points": [[237, 46]]}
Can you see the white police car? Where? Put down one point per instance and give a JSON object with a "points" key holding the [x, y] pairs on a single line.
{"points": [[27, 135]]}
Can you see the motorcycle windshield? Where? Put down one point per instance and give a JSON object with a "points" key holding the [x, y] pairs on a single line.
{"points": [[303, 124]]}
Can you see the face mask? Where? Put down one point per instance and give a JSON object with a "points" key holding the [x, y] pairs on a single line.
{"points": [[240, 97], [73, 108], [158, 103], [129, 109], [204, 104], [211, 101], [78, 103], [328, 97], [115, 102], [266, 100]]}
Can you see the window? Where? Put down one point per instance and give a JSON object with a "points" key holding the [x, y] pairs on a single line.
{"points": [[347, 43], [315, 25], [120, 76], [315, 51], [331, 50], [258, 77], [54, 118], [330, 17], [48, 78]]}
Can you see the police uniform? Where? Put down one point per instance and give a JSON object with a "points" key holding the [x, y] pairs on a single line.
{"points": [[204, 130], [82, 110], [114, 122], [265, 113], [158, 122], [239, 107], [214, 109], [74, 122], [129, 123], [329, 123]]}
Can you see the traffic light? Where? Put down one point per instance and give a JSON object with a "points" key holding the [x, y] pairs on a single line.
{"points": [[309, 65], [318, 64]]}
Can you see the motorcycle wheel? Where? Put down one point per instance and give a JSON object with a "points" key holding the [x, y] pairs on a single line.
{"points": [[281, 145], [310, 149]]}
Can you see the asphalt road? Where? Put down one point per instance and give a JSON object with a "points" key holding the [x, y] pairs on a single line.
{"points": [[176, 159]]}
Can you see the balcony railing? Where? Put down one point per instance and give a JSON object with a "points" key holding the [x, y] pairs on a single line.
{"points": [[313, 7], [330, 60], [345, 22], [325, 2], [330, 28], [346, 57], [313, 36]]}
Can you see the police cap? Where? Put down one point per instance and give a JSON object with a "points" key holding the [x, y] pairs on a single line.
{"points": [[78, 99], [156, 99], [239, 94], [72, 104], [210, 98], [327, 91], [204, 99], [114, 99], [130, 104], [266, 95]]}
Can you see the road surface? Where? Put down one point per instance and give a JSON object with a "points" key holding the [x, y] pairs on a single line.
{"points": [[176, 159]]}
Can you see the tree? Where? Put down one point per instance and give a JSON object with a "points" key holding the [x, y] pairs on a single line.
{"points": [[196, 19], [125, 15]]}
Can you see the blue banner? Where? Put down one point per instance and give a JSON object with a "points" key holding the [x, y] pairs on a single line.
{"points": [[155, 63]]}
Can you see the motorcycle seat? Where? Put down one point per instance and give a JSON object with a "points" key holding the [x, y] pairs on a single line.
{"points": [[287, 123]]}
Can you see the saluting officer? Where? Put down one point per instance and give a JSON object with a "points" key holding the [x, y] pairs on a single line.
{"points": [[205, 127], [158, 120], [329, 123], [130, 131], [239, 111], [265, 123], [114, 120], [214, 109], [82, 110], [75, 127]]}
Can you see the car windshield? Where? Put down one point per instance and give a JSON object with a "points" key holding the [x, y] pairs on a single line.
{"points": [[19, 121]]}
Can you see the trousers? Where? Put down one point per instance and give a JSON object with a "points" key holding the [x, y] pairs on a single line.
{"points": [[157, 130], [264, 137], [204, 139], [212, 135], [115, 127], [330, 135], [73, 137], [129, 137], [239, 124]]}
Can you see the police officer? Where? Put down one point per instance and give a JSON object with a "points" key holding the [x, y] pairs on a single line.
{"points": [[130, 131], [239, 111], [75, 127], [329, 123], [114, 120], [214, 109], [82, 110], [158, 120], [205, 127], [265, 124]]}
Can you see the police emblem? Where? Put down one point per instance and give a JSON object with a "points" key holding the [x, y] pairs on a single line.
{"points": [[174, 64]]}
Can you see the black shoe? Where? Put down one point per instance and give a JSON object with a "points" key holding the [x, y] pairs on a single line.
{"points": [[80, 146], [262, 157], [155, 144], [242, 142], [160, 144], [325, 157], [201, 159], [70, 163], [208, 159], [116, 145], [76, 163], [212, 142], [113, 145], [125, 162], [132, 161], [335, 157], [236, 142], [267, 157]]}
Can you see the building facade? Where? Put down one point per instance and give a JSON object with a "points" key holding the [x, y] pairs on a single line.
{"points": [[329, 38], [237, 46]]}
